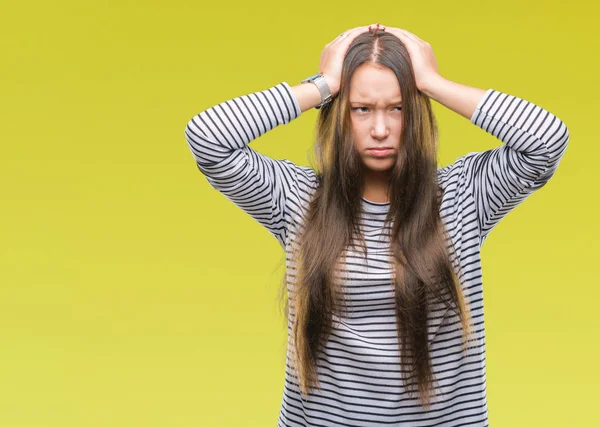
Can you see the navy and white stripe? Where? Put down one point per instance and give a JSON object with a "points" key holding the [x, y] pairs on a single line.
{"points": [[359, 366]]}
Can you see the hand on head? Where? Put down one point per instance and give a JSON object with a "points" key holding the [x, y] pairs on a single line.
{"points": [[332, 56], [421, 54]]}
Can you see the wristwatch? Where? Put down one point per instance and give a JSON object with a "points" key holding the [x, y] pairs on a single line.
{"points": [[321, 84]]}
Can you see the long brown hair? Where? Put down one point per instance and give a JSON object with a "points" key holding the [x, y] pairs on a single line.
{"points": [[422, 270]]}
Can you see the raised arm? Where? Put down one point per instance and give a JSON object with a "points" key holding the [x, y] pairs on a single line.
{"points": [[219, 136], [218, 139], [499, 179]]}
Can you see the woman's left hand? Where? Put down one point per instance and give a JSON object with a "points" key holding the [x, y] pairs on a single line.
{"points": [[422, 58]]}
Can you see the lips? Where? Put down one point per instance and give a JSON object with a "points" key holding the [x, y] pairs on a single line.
{"points": [[380, 151]]}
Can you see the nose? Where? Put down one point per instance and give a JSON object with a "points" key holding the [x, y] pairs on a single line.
{"points": [[379, 130]]}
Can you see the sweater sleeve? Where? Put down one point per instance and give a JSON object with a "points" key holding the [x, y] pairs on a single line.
{"points": [[218, 139], [534, 142]]}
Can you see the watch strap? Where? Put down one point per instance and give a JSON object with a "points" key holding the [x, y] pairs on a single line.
{"points": [[321, 84]]}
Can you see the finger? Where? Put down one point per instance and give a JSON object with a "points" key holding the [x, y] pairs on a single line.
{"points": [[405, 36], [414, 36], [408, 35], [377, 26]]}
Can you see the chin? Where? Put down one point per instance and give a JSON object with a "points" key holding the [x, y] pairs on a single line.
{"points": [[380, 165]]}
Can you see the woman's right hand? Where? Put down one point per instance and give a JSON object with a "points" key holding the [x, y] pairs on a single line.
{"points": [[332, 56]]}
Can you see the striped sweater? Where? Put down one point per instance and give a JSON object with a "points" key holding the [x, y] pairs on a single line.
{"points": [[358, 368]]}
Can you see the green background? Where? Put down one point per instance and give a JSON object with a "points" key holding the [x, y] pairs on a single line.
{"points": [[133, 294]]}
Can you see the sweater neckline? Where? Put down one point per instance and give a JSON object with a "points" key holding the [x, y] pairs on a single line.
{"points": [[371, 206]]}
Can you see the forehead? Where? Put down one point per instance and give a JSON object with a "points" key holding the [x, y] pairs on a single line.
{"points": [[371, 83]]}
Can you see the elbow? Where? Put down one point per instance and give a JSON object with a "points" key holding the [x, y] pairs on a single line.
{"points": [[558, 143], [556, 147], [194, 139], [192, 131]]}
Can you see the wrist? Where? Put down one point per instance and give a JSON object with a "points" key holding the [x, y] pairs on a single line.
{"points": [[307, 95], [333, 87], [322, 83], [433, 86]]}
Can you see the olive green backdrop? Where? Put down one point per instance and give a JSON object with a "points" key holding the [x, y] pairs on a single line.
{"points": [[133, 294]]}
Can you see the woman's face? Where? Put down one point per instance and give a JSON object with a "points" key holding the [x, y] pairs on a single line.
{"points": [[376, 115]]}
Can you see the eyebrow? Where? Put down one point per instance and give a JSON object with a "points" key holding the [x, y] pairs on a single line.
{"points": [[371, 104]]}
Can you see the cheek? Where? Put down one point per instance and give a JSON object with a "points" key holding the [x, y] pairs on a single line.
{"points": [[360, 131], [357, 136]]}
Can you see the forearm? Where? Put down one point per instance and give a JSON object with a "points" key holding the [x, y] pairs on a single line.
{"points": [[534, 140], [217, 133], [457, 97], [307, 95]]}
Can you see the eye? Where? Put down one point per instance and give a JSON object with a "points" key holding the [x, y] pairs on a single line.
{"points": [[399, 107]]}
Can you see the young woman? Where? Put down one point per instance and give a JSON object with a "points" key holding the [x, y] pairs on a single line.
{"points": [[385, 314]]}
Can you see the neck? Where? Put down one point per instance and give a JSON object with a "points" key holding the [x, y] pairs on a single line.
{"points": [[376, 186]]}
